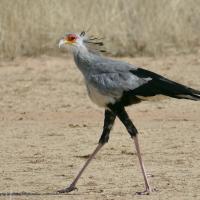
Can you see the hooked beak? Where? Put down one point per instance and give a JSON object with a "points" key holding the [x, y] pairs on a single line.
{"points": [[62, 42]]}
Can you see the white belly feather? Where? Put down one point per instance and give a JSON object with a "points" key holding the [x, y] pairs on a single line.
{"points": [[98, 98]]}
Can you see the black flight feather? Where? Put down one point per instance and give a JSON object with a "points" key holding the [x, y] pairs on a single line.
{"points": [[164, 86], [159, 85]]}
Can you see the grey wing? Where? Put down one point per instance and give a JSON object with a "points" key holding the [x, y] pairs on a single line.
{"points": [[115, 83]]}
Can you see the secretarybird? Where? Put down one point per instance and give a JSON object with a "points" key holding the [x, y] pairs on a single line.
{"points": [[114, 85]]}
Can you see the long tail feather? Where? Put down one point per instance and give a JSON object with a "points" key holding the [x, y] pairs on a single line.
{"points": [[164, 86], [176, 90], [179, 91]]}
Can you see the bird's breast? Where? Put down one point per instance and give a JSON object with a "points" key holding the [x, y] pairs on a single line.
{"points": [[98, 98]]}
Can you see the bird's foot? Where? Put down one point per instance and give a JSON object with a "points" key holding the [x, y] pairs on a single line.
{"points": [[147, 191], [68, 189], [150, 175]]}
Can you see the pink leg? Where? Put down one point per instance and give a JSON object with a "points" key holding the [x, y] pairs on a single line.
{"points": [[73, 184], [147, 186]]}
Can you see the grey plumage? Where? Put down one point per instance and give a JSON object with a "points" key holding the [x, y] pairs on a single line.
{"points": [[115, 84], [112, 78], [109, 77]]}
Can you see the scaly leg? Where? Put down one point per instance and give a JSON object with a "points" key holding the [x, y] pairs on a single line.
{"points": [[73, 184], [123, 116], [108, 124], [147, 186]]}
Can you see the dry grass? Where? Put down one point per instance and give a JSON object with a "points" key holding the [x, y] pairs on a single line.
{"points": [[130, 27]]}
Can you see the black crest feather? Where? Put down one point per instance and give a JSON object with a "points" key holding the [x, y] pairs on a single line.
{"points": [[93, 43], [82, 33]]}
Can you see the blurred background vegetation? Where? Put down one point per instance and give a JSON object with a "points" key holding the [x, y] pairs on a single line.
{"points": [[130, 27]]}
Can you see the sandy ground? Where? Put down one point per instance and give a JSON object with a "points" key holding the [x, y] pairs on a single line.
{"points": [[49, 127]]}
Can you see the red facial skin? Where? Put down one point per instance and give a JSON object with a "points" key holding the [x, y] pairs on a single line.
{"points": [[71, 38]]}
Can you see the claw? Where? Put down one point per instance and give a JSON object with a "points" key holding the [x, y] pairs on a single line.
{"points": [[68, 189], [147, 191]]}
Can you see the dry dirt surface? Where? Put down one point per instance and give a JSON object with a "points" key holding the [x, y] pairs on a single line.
{"points": [[49, 127]]}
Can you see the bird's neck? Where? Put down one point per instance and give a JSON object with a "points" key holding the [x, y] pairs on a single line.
{"points": [[82, 58]]}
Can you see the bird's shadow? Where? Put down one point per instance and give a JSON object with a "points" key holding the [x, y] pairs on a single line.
{"points": [[8, 194]]}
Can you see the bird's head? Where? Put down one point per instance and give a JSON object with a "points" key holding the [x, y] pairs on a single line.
{"points": [[72, 39], [75, 41]]}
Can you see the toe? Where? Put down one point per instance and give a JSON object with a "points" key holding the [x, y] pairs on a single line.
{"points": [[67, 190]]}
